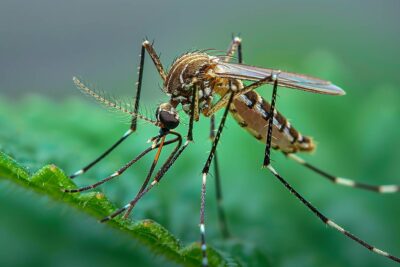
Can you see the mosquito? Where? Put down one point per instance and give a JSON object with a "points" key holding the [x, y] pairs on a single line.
{"points": [[203, 84]]}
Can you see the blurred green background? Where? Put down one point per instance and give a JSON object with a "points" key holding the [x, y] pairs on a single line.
{"points": [[43, 119]]}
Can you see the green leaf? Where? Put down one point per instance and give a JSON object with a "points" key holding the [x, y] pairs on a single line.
{"points": [[49, 180]]}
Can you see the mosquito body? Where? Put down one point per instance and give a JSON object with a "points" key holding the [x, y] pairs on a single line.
{"points": [[210, 75], [203, 84]]}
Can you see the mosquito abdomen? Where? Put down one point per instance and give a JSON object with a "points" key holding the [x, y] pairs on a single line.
{"points": [[251, 111]]}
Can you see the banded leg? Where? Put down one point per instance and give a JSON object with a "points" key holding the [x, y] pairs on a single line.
{"points": [[133, 126], [204, 180], [167, 164], [236, 44], [150, 173], [165, 167], [220, 209], [193, 112], [156, 59], [385, 189], [120, 171], [329, 222], [267, 155], [102, 156]]}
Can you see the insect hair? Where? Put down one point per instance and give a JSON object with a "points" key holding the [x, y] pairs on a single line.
{"points": [[111, 102]]}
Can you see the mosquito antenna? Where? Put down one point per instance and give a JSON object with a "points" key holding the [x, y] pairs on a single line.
{"points": [[109, 103]]}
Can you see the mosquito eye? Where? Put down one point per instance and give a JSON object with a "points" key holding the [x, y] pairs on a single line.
{"points": [[169, 120]]}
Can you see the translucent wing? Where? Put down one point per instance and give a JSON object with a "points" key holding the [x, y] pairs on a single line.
{"points": [[285, 79]]}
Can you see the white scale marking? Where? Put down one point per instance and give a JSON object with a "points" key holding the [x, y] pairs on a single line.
{"points": [[277, 124], [202, 228], [334, 225], [181, 75], [261, 110], [272, 170], [246, 100], [127, 133], [207, 91], [380, 252], [287, 132], [388, 188], [296, 158], [114, 174], [264, 113], [237, 40], [179, 98], [204, 178], [78, 173], [344, 181]]}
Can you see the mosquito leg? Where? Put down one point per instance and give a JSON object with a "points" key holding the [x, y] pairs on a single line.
{"points": [[193, 112], [329, 222], [385, 189], [167, 164], [120, 171], [105, 153], [267, 156], [165, 167], [138, 88], [235, 45], [240, 56], [172, 158], [146, 182], [204, 180], [221, 213], [133, 123], [156, 59]]}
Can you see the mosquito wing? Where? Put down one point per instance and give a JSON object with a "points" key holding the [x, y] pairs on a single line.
{"points": [[285, 79]]}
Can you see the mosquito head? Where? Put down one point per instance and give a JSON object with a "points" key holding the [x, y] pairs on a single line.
{"points": [[167, 115]]}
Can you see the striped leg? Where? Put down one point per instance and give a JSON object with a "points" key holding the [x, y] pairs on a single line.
{"points": [[121, 170], [220, 209], [165, 167], [194, 111], [133, 123], [344, 181], [141, 193], [235, 45], [267, 155], [102, 156], [204, 181], [329, 222], [150, 173]]}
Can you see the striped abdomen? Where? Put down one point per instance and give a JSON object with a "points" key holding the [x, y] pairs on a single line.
{"points": [[251, 112]]}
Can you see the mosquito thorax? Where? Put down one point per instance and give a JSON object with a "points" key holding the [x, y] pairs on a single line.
{"points": [[189, 71], [167, 115]]}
